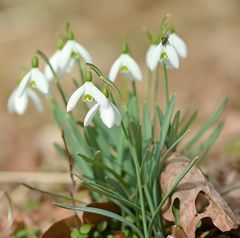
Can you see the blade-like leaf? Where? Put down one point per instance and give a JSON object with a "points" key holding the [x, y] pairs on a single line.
{"points": [[206, 126], [103, 213]]}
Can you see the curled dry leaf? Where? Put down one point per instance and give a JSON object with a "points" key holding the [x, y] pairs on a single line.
{"points": [[62, 228], [197, 198]]}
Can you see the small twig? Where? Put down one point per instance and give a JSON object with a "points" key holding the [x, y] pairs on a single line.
{"points": [[71, 162]]}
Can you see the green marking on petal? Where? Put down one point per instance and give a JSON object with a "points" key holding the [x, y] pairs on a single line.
{"points": [[33, 84], [164, 55], [87, 98], [124, 68], [74, 54]]}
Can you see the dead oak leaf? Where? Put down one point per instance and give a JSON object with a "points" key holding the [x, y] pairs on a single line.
{"points": [[197, 198]]}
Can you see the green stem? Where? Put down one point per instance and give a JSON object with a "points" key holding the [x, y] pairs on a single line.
{"points": [[134, 89], [166, 90], [81, 70], [149, 84], [59, 87], [156, 74], [140, 190]]}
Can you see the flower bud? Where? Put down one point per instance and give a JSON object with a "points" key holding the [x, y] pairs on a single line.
{"points": [[89, 76], [35, 61]]}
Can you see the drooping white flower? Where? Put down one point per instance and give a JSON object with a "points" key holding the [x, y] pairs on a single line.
{"points": [[72, 49], [125, 64], [19, 104], [149, 54], [34, 78], [178, 44], [110, 115], [164, 53], [169, 51], [89, 92]]}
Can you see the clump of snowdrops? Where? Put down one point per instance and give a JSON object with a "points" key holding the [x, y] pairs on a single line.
{"points": [[118, 145]]}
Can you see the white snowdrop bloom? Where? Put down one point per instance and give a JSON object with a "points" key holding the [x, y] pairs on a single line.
{"points": [[149, 53], [89, 92], [34, 78], [170, 50], [164, 53], [19, 104], [178, 44], [125, 64], [110, 115], [72, 49]]}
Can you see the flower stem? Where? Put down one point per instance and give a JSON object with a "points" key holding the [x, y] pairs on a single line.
{"points": [[149, 84], [156, 86], [165, 81], [140, 190], [81, 70], [59, 87], [135, 95]]}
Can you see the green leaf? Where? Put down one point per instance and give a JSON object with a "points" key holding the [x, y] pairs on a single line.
{"points": [[147, 124], [208, 143], [51, 194], [165, 126], [205, 126], [105, 213], [85, 228]]}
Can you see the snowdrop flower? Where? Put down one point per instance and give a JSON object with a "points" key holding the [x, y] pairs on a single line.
{"points": [[89, 93], [149, 54], [55, 62], [110, 115], [168, 51], [19, 104], [35, 78], [125, 64], [71, 50]]}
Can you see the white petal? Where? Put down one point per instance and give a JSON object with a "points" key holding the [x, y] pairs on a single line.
{"points": [[66, 54], [75, 97], [107, 116], [149, 54], [82, 52], [91, 113], [96, 94], [134, 68], [40, 80], [155, 56], [69, 66], [172, 55], [54, 61], [117, 115], [178, 44], [24, 83], [11, 100], [21, 104], [36, 100], [115, 68]]}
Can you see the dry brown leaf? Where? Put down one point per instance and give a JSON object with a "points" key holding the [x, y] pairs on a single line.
{"points": [[197, 196], [62, 228], [94, 218], [177, 232]]}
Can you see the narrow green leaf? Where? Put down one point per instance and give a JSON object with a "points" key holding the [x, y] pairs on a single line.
{"points": [[147, 124], [102, 212], [51, 194], [206, 126]]}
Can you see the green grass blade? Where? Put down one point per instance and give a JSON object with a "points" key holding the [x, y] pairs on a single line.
{"points": [[102, 212], [206, 126]]}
